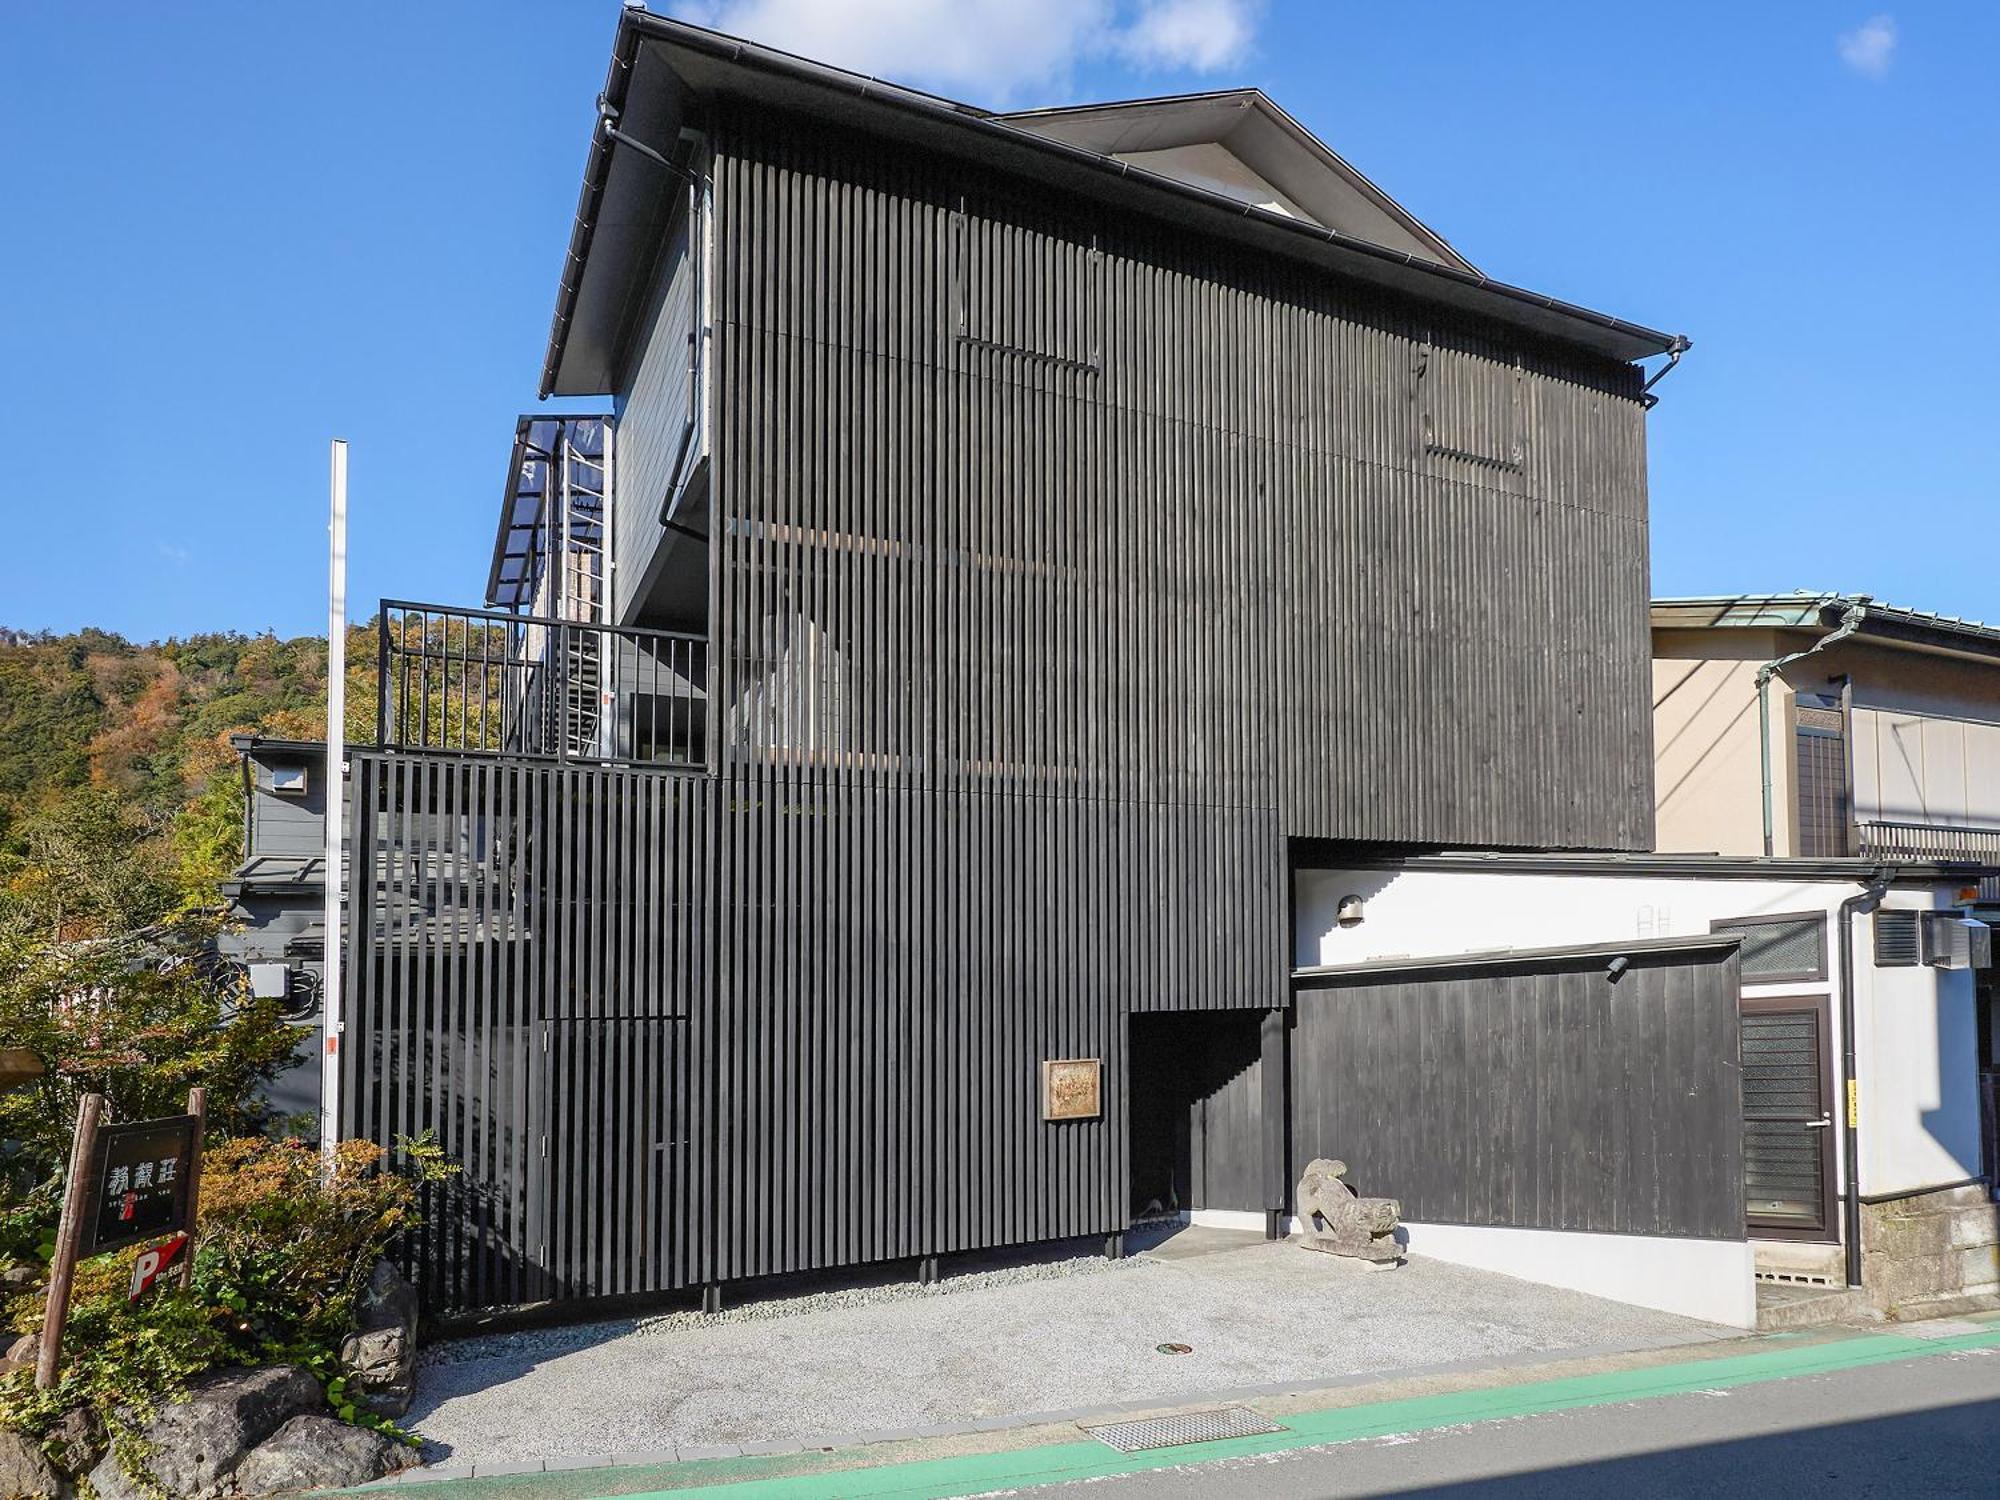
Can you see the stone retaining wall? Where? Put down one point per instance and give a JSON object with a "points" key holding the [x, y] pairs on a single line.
{"points": [[1933, 1254]]}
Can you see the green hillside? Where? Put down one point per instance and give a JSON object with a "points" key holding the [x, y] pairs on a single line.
{"points": [[103, 740]]}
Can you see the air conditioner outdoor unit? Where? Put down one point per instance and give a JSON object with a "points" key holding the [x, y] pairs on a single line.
{"points": [[1954, 942]]}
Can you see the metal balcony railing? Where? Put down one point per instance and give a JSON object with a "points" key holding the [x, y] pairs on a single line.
{"points": [[1933, 841], [487, 682]]}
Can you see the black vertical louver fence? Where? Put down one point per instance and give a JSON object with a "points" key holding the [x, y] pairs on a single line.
{"points": [[678, 1030], [529, 946]]}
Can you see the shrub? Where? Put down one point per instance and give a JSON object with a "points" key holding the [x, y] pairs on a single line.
{"points": [[287, 1251], [283, 1253]]}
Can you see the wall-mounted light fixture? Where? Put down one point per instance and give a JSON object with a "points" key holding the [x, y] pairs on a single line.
{"points": [[1349, 913]]}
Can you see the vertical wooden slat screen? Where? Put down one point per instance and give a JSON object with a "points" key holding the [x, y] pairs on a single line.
{"points": [[1063, 567], [1015, 495], [529, 955]]}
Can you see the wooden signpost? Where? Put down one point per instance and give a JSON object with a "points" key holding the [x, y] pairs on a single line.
{"points": [[128, 1183]]}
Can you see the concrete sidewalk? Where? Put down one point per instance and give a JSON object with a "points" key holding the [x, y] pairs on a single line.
{"points": [[1314, 1419], [997, 1350]]}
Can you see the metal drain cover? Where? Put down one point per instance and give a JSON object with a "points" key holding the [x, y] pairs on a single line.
{"points": [[1182, 1427]]}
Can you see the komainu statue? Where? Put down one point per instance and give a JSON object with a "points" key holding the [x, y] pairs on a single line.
{"points": [[1333, 1219]]}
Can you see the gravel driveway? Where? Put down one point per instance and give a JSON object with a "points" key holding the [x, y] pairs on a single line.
{"points": [[1037, 1338]]}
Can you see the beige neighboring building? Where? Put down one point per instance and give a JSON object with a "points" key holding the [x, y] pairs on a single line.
{"points": [[1876, 735], [1882, 726]]}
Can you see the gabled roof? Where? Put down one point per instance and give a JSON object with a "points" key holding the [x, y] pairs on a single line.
{"points": [[1239, 143], [662, 70]]}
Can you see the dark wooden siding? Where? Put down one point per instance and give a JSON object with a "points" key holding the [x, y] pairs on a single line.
{"points": [[895, 968], [1532, 1094], [1013, 496], [551, 1041], [1062, 569], [280, 822], [653, 439], [674, 1038]]}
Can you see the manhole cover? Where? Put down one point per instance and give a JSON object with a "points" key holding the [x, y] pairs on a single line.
{"points": [[1175, 1348], [1182, 1427]]}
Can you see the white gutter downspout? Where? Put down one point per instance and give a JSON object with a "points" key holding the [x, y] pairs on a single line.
{"points": [[1850, 621]]}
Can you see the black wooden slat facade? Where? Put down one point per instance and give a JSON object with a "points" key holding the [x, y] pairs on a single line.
{"points": [[1532, 1093], [529, 947], [1062, 568], [1157, 522]]}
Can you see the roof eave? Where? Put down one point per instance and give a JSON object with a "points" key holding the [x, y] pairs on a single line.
{"points": [[1821, 613], [1546, 316]]}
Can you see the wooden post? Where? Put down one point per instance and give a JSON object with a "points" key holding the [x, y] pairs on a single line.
{"points": [[77, 1205], [198, 1107]]}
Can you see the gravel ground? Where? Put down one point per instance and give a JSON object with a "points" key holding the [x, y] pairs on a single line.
{"points": [[1033, 1338]]}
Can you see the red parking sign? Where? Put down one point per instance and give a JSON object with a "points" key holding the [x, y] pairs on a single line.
{"points": [[154, 1263]]}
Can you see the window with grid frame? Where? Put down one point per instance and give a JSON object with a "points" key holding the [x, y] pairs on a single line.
{"points": [[1825, 804], [1780, 949]]}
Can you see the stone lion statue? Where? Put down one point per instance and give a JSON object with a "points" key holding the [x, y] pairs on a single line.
{"points": [[1333, 1219]]}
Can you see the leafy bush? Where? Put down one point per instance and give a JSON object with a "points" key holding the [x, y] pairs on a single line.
{"points": [[283, 1253], [288, 1252]]}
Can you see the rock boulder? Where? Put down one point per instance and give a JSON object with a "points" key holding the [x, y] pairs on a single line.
{"points": [[317, 1453], [196, 1444], [77, 1441], [25, 1471]]}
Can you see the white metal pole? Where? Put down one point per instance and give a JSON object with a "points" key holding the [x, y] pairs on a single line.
{"points": [[336, 801]]}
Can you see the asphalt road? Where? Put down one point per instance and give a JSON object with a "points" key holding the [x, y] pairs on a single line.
{"points": [[1928, 1427]]}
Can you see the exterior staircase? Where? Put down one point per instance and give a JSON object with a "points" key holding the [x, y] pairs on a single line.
{"points": [[1782, 1306]]}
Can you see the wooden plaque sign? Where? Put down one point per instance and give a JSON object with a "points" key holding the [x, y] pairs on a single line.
{"points": [[127, 1183], [1072, 1088], [139, 1182]]}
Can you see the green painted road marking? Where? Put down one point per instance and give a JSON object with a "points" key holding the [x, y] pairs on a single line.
{"points": [[1062, 1463]]}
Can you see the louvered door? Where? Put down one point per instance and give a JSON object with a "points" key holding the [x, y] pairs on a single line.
{"points": [[1787, 1117]]}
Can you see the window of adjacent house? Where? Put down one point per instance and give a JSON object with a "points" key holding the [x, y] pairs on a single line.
{"points": [[1779, 950], [1825, 806]]}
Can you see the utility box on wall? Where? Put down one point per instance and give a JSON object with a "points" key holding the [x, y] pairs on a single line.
{"points": [[1953, 942]]}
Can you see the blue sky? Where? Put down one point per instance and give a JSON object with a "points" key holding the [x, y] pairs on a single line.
{"points": [[235, 230]]}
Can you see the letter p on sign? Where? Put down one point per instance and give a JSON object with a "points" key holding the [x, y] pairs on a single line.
{"points": [[154, 1263]]}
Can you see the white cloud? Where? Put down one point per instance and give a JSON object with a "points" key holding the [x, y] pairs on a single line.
{"points": [[1870, 47], [1202, 35], [990, 49]]}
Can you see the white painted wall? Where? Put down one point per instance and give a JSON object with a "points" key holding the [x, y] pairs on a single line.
{"points": [[1919, 1072], [1714, 1280], [1915, 1027]]}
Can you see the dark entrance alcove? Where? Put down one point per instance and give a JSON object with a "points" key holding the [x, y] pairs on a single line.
{"points": [[1197, 1134]]}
